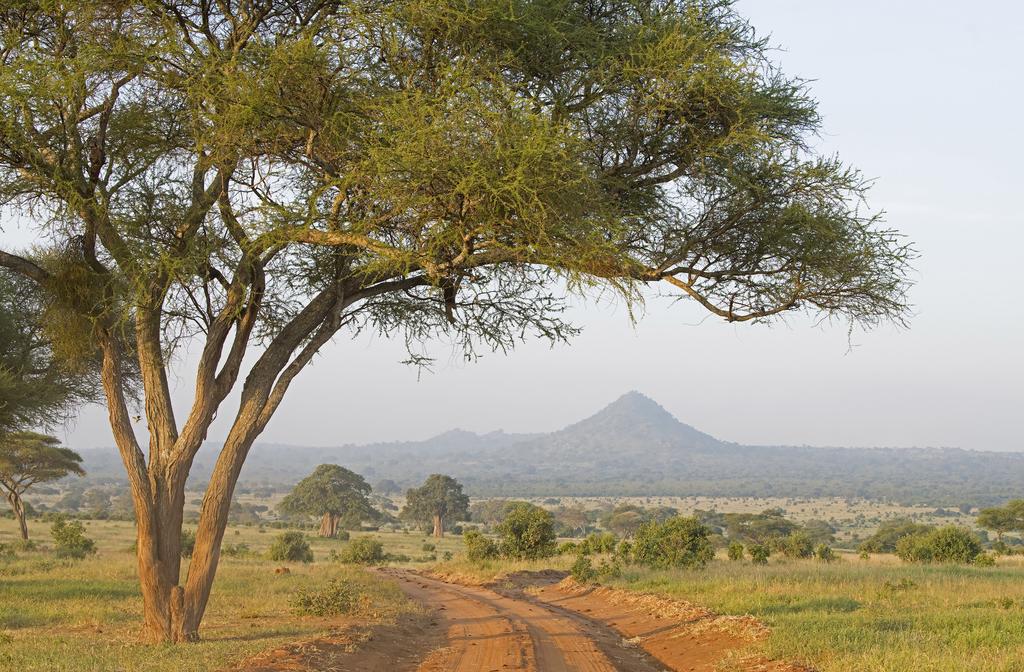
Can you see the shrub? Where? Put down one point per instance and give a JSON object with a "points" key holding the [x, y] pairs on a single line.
{"points": [[949, 544], [583, 570], [479, 547], [291, 547], [890, 533], [798, 545], [363, 551], [824, 553], [429, 548], [527, 533], [598, 542], [735, 551], [70, 539], [240, 550], [567, 547], [759, 554], [985, 560], [624, 551], [6, 552], [342, 535], [188, 543], [446, 556], [677, 542], [338, 597]]}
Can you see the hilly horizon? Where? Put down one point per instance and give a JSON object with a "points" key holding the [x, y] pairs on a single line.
{"points": [[634, 446]]}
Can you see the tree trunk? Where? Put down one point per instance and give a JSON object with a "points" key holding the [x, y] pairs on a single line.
{"points": [[329, 525], [438, 525], [159, 558], [19, 514]]}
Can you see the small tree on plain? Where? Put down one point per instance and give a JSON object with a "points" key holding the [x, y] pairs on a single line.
{"points": [[527, 533], [331, 493], [439, 501], [677, 542], [1003, 519], [27, 458]]}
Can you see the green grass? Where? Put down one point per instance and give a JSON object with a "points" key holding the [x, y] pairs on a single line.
{"points": [[865, 616], [85, 615]]}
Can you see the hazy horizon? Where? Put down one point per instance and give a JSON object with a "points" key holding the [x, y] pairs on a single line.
{"points": [[918, 95]]}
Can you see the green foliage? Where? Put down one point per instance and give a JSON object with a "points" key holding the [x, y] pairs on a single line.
{"points": [[950, 544], [337, 598], [985, 560], [797, 545], [885, 539], [527, 533], [678, 542], [440, 497], [478, 546], [824, 553], [759, 553], [598, 542], [1002, 519], [735, 551], [428, 548], [363, 551], [624, 551], [188, 543], [330, 489], [70, 540], [568, 547], [291, 547], [583, 570], [239, 550]]}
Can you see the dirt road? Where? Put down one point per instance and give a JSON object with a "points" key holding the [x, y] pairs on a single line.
{"points": [[489, 631]]}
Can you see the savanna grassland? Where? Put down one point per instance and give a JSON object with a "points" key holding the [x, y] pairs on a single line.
{"points": [[875, 615], [84, 615]]}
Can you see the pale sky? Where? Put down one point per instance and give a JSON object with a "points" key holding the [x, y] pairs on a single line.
{"points": [[923, 95]]}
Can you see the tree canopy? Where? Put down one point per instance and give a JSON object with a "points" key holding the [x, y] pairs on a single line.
{"points": [[28, 458], [1003, 519], [438, 502], [333, 493], [41, 381], [257, 177]]}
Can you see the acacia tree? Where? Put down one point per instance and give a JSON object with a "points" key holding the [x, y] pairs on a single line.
{"points": [[27, 458], [438, 501], [332, 493], [1003, 519], [254, 177]]}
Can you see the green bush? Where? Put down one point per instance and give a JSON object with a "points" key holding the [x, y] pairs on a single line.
{"points": [[598, 542], [342, 535], [240, 550], [291, 547], [624, 551], [950, 544], [677, 542], [759, 554], [735, 551], [824, 553], [567, 547], [479, 547], [70, 539], [583, 570], [428, 548], [527, 532], [363, 551], [188, 543], [985, 560], [337, 598], [797, 545]]}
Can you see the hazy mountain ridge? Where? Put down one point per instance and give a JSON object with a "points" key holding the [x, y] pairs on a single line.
{"points": [[635, 447]]}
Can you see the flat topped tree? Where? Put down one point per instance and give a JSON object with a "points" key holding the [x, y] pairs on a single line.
{"points": [[438, 501], [331, 493], [255, 177], [27, 458]]}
